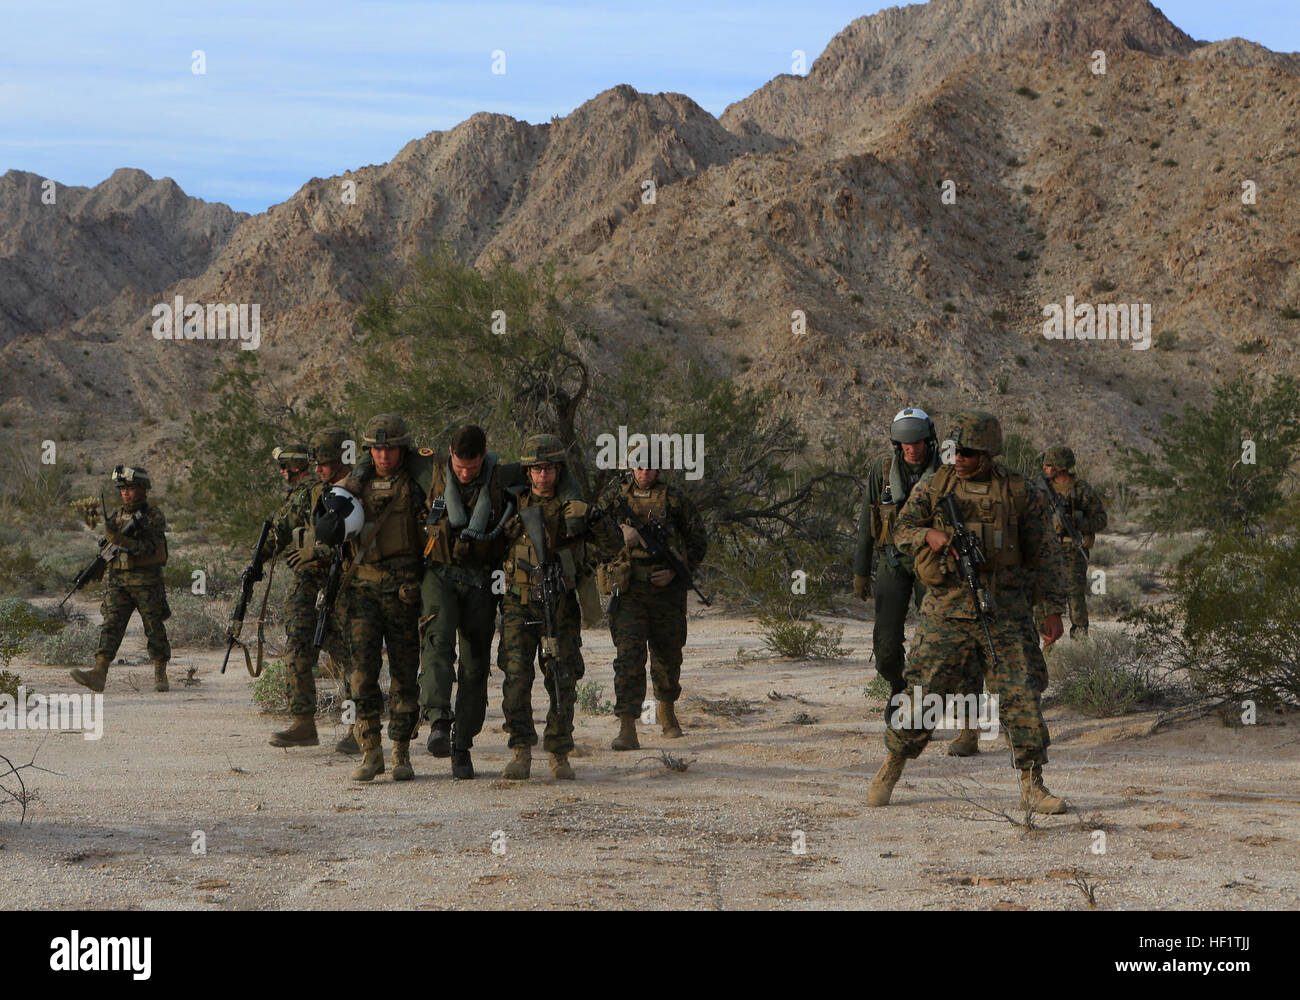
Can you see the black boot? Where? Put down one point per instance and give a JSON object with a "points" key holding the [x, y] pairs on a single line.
{"points": [[462, 768], [440, 738]]}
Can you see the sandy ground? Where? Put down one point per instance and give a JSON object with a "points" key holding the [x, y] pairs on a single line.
{"points": [[1197, 816]]}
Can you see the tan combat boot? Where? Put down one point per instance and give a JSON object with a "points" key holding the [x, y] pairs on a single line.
{"points": [[348, 744], [402, 769], [1034, 794], [965, 745], [560, 769], [301, 734], [522, 765], [371, 743], [668, 720], [626, 738], [882, 785], [160, 675], [94, 679]]}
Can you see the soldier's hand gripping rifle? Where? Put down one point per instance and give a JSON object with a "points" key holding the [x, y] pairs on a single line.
{"points": [[326, 599], [251, 575], [1064, 520], [970, 557], [546, 591], [107, 551], [654, 535]]}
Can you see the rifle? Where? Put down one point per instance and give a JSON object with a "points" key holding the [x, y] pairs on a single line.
{"points": [[655, 536], [1066, 523], [107, 551], [250, 576], [549, 589], [328, 596], [970, 557]]}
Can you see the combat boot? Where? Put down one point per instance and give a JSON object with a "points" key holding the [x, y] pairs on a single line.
{"points": [[160, 675], [440, 738], [1034, 794], [519, 768], [882, 785], [94, 679], [965, 745], [560, 769], [668, 720], [371, 744], [402, 769], [462, 768], [301, 734], [626, 738], [348, 744]]}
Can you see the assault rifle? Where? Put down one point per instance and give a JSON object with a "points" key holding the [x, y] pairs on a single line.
{"points": [[655, 536], [548, 589], [107, 551], [970, 557], [326, 599], [250, 576], [1064, 520]]}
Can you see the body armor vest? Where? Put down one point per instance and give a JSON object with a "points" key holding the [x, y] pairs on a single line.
{"points": [[522, 557], [992, 509], [125, 560], [650, 505], [399, 534]]}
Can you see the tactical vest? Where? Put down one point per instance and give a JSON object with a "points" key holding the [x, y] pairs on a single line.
{"points": [[399, 535], [651, 504], [993, 509], [125, 560], [884, 516], [441, 535], [521, 556]]}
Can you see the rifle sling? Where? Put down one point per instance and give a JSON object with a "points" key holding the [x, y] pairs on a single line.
{"points": [[261, 630]]}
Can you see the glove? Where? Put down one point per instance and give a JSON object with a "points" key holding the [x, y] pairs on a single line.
{"points": [[299, 558], [662, 577], [631, 537], [861, 587], [115, 537], [574, 509]]}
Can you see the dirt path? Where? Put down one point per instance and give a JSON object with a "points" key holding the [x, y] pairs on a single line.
{"points": [[1204, 816]]}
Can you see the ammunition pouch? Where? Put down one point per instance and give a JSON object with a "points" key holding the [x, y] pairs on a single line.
{"points": [[934, 569], [614, 576]]}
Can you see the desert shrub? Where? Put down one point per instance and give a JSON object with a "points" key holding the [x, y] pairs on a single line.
{"points": [[20, 623], [1104, 554], [20, 571], [72, 646], [590, 699], [877, 688], [803, 639], [9, 682], [1101, 675], [1122, 596], [199, 620], [271, 690]]}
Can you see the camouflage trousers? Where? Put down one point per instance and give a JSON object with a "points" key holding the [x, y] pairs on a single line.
{"points": [[300, 630], [130, 591], [894, 590], [453, 609], [940, 660], [383, 615], [520, 646], [648, 617]]}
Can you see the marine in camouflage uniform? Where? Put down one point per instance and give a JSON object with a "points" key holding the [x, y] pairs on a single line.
{"points": [[1009, 520], [292, 534], [135, 580], [1082, 507], [649, 610], [382, 595], [566, 526]]}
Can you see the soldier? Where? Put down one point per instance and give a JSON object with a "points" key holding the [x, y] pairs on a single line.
{"points": [[1081, 508], [1008, 518], [893, 583], [292, 534], [383, 598], [565, 525], [650, 610], [135, 579]]}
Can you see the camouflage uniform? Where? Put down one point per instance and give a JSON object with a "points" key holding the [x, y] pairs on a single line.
{"points": [[135, 581], [647, 616], [1083, 508]]}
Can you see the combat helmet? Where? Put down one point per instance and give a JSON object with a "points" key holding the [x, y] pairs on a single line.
{"points": [[387, 430], [911, 424], [1059, 456], [130, 475], [293, 455], [977, 430], [326, 444], [541, 448]]}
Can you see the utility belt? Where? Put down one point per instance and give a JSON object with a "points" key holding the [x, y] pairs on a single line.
{"points": [[385, 572], [449, 573]]}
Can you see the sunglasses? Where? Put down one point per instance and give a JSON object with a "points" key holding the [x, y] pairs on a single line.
{"points": [[969, 453]]}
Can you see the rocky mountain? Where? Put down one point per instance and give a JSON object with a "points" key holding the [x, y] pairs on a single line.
{"points": [[942, 175]]}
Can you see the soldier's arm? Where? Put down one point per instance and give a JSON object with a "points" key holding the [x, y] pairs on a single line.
{"points": [[915, 519], [149, 538], [864, 551], [1041, 553], [695, 538], [1094, 511]]}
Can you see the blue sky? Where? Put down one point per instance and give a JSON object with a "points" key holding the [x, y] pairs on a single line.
{"points": [[295, 90]]}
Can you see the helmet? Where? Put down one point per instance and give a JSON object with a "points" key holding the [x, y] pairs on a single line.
{"points": [[1060, 456], [387, 430], [293, 455], [542, 448], [977, 430], [327, 444], [127, 475], [910, 425], [338, 516]]}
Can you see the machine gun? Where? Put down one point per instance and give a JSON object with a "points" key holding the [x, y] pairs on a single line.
{"points": [[107, 551], [548, 589], [970, 557], [250, 576], [1066, 522], [655, 536]]}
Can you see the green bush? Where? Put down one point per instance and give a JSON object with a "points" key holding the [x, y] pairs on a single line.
{"points": [[20, 572], [1122, 597], [9, 682], [803, 639], [877, 688], [271, 690], [201, 620], [72, 646], [20, 622], [1100, 675], [1103, 554], [589, 699]]}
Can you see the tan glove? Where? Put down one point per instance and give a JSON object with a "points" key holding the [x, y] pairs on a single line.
{"points": [[631, 537], [861, 587]]}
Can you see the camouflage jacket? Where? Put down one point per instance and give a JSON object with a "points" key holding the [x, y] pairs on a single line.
{"points": [[1083, 507], [1051, 578], [294, 512], [145, 551], [1011, 586], [687, 536]]}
